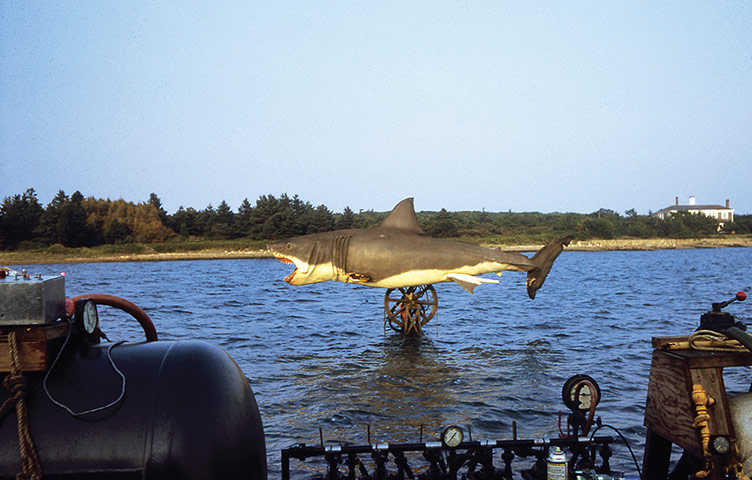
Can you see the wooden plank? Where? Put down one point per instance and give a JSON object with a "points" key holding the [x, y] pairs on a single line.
{"points": [[665, 343], [668, 409], [703, 358], [37, 347]]}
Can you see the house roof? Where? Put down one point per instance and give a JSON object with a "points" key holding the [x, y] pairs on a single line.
{"points": [[685, 208]]}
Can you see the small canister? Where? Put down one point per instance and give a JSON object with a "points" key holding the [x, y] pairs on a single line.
{"points": [[556, 465]]}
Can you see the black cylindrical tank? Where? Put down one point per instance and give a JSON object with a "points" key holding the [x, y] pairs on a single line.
{"points": [[188, 412]]}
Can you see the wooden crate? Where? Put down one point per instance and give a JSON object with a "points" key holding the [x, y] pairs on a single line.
{"points": [[37, 346], [669, 410]]}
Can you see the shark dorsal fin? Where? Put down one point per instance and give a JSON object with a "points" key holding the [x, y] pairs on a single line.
{"points": [[403, 217]]}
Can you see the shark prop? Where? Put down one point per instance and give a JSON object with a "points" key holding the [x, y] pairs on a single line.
{"points": [[397, 253]]}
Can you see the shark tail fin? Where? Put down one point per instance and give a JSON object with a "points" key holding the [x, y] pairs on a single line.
{"points": [[543, 261]]}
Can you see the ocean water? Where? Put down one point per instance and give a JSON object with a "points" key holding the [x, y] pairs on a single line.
{"points": [[320, 359]]}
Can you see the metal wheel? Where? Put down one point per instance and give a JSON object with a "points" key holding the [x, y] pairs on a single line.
{"points": [[407, 309]]}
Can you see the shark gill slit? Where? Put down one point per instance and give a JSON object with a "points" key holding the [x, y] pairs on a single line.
{"points": [[313, 257], [339, 257]]}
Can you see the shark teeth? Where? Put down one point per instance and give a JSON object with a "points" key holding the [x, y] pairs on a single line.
{"points": [[288, 278]]}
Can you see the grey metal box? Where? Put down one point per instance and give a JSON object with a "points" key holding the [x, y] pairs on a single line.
{"points": [[31, 301]]}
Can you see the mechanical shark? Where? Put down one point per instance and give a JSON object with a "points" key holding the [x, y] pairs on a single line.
{"points": [[398, 253]]}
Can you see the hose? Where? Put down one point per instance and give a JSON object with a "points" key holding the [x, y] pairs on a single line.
{"points": [[129, 307]]}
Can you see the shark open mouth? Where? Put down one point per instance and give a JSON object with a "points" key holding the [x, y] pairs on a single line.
{"points": [[288, 278]]}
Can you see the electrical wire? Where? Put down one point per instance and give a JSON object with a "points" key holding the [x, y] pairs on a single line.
{"points": [[634, 458], [112, 363]]}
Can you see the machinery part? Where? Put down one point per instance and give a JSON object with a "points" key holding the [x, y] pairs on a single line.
{"points": [[452, 436], [189, 412], [31, 300], [581, 394], [131, 308], [723, 322], [409, 308], [372, 461]]}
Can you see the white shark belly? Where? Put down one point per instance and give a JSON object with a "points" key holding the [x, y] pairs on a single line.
{"points": [[431, 276]]}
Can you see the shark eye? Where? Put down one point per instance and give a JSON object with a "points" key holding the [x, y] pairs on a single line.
{"points": [[289, 245]]}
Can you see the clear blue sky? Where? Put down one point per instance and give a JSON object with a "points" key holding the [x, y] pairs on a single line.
{"points": [[464, 105]]}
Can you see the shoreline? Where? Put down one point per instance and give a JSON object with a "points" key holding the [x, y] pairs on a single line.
{"points": [[19, 258]]}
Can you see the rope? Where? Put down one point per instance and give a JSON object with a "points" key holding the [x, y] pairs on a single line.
{"points": [[714, 341], [15, 383]]}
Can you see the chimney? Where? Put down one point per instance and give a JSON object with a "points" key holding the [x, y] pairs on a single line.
{"points": [[677, 200], [691, 200], [728, 204]]}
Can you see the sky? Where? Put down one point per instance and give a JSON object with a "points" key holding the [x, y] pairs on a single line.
{"points": [[465, 105]]}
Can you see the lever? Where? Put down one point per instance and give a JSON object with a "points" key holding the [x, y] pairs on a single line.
{"points": [[740, 296], [725, 323]]}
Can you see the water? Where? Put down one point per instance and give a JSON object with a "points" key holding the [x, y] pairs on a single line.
{"points": [[318, 356]]}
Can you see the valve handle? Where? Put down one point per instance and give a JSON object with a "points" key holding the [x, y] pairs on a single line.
{"points": [[740, 296]]}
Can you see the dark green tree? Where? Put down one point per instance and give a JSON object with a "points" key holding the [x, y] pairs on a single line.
{"points": [[321, 220], [742, 224], [442, 224], [223, 225], [185, 222], [49, 225], [244, 219], [346, 220], [19, 217], [116, 232], [206, 219], [72, 226]]}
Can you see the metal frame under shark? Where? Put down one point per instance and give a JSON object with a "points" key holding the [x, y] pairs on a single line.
{"points": [[397, 253]]}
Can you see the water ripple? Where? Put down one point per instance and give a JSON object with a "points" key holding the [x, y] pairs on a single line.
{"points": [[319, 356]]}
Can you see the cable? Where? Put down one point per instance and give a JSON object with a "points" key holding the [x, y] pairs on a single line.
{"points": [[112, 363], [714, 341], [634, 459]]}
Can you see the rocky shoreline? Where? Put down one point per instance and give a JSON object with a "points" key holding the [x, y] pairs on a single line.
{"points": [[641, 244], [18, 258]]}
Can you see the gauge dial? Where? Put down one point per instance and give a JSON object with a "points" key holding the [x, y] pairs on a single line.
{"points": [[452, 436], [580, 393], [87, 317], [720, 444]]}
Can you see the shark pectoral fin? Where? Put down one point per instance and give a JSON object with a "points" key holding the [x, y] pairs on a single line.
{"points": [[469, 282]]}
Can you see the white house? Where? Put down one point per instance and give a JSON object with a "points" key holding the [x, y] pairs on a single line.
{"points": [[721, 214]]}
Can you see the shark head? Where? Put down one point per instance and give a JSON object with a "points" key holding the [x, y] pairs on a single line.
{"points": [[301, 252]]}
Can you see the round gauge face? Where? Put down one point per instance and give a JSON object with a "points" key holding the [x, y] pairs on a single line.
{"points": [[584, 397], [86, 317], [452, 436], [90, 317], [721, 445], [580, 392]]}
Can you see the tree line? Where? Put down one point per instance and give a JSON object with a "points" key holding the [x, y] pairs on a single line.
{"points": [[76, 221]]}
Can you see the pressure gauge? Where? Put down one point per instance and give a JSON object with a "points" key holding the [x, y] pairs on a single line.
{"points": [[720, 444], [86, 317], [580, 393], [452, 436]]}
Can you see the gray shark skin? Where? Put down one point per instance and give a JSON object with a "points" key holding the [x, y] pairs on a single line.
{"points": [[397, 253]]}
